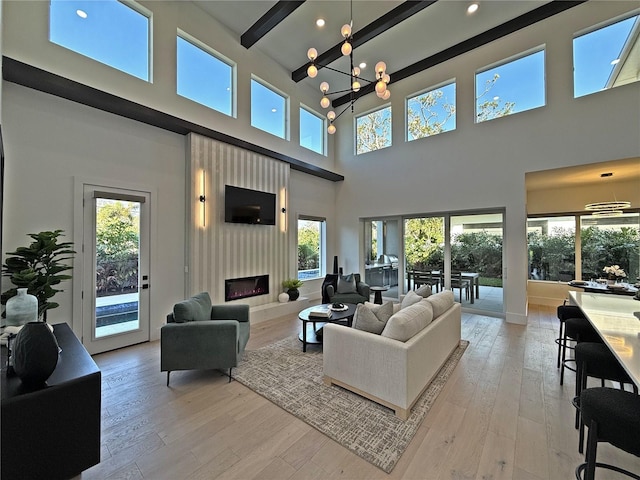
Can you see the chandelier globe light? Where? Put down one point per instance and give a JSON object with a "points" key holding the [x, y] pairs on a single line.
{"points": [[381, 81]]}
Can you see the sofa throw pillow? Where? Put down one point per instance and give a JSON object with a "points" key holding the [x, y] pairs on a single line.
{"points": [[347, 284], [424, 291], [196, 308], [441, 302], [408, 321], [372, 318], [409, 299]]}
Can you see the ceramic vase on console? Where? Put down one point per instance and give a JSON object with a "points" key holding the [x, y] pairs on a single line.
{"points": [[35, 353], [22, 308], [293, 293]]}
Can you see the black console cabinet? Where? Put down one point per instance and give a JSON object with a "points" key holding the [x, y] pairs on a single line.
{"points": [[52, 431]]}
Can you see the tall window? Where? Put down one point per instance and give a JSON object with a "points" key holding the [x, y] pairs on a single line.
{"points": [[552, 248], [268, 109], [607, 241], [204, 77], [604, 58], [431, 112], [311, 235], [603, 241], [107, 31], [373, 130], [311, 130], [510, 87]]}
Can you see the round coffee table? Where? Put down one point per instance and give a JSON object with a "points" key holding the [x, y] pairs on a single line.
{"points": [[310, 323]]}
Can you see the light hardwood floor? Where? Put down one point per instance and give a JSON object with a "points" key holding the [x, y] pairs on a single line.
{"points": [[502, 415]]}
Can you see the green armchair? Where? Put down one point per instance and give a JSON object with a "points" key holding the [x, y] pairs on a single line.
{"points": [[198, 335], [344, 289]]}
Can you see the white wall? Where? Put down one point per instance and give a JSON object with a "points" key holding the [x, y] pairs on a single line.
{"points": [[26, 27], [483, 166], [574, 198], [49, 141]]}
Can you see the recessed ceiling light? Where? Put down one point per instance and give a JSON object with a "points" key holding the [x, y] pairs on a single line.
{"points": [[616, 61], [473, 8], [81, 13], [363, 65], [320, 22]]}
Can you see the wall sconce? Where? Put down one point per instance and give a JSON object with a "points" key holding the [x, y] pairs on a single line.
{"points": [[283, 209], [203, 199]]}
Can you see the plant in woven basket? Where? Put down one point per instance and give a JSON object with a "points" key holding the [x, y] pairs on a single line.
{"points": [[39, 268]]}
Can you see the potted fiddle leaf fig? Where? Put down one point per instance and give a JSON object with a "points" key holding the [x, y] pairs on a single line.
{"points": [[39, 268], [291, 286]]}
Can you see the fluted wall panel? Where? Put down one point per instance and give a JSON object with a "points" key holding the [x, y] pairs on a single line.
{"points": [[219, 250]]}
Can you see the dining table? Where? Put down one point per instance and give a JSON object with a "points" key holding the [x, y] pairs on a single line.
{"points": [[473, 277], [592, 286], [616, 318]]}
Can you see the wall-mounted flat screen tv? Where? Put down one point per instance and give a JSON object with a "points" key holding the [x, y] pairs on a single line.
{"points": [[242, 205]]}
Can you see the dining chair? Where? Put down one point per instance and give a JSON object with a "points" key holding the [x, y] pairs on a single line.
{"points": [[461, 283]]}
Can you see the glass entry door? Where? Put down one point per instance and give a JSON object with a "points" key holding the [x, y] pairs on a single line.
{"points": [[115, 294]]}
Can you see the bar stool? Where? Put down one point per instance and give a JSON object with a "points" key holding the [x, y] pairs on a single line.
{"points": [[612, 416], [577, 330], [565, 312], [597, 361]]}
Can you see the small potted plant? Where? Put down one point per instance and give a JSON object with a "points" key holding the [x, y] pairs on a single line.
{"points": [[291, 286]]}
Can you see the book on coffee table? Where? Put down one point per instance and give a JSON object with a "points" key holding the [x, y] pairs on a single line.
{"points": [[320, 312]]}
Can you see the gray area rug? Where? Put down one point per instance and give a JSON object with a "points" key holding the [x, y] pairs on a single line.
{"points": [[291, 379]]}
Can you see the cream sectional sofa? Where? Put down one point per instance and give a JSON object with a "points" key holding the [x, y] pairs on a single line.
{"points": [[392, 372]]}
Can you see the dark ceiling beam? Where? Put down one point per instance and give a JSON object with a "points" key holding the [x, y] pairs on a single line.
{"points": [[269, 20], [541, 13], [32, 77], [375, 28]]}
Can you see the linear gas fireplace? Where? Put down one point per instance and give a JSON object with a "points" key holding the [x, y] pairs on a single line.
{"points": [[235, 288]]}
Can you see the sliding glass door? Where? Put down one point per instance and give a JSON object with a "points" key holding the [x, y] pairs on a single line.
{"points": [[476, 252], [461, 252], [382, 246]]}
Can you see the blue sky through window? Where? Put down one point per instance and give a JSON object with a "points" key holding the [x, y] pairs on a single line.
{"points": [[440, 112], [593, 54], [268, 109], [311, 131], [373, 130], [521, 81], [111, 33], [204, 78]]}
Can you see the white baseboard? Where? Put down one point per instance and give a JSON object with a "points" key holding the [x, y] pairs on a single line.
{"points": [[516, 318], [269, 311], [546, 301]]}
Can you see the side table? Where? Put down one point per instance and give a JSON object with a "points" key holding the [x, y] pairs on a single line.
{"points": [[377, 293]]}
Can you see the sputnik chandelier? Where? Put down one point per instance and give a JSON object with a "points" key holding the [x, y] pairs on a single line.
{"points": [[381, 81]]}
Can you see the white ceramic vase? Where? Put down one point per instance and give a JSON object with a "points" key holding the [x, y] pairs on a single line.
{"points": [[283, 297], [22, 308]]}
